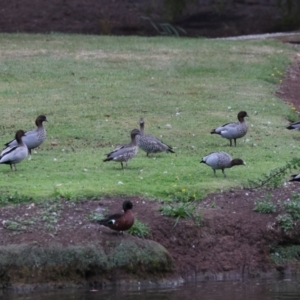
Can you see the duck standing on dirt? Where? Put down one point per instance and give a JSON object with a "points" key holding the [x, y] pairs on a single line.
{"points": [[14, 154], [33, 138], [126, 152], [234, 130], [149, 143], [221, 161], [120, 222]]}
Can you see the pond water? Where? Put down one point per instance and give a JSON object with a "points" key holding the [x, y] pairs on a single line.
{"points": [[285, 289]]}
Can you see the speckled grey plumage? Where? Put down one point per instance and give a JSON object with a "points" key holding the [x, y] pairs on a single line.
{"points": [[221, 161], [14, 154], [126, 152], [33, 138], [149, 143], [234, 130]]}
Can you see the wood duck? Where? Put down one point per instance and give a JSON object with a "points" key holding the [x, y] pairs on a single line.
{"points": [[126, 152], [221, 161], [14, 154], [234, 130], [149, 143], [120, 222], [33, 138]]}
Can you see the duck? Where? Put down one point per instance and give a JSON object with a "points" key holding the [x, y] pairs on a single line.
{"points": [[295, 177], [234, 130], [32, 138], [149, 143], [124, 153], [295, 125], [15, 154], [120, 221], [221, 161]]}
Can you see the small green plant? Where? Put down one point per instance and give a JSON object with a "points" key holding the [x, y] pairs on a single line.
{"points": [[292, 213], [15, 198], [181, 210], [12, 225], [285, 221], [95, 217], [293, 207], [264, 206], [281, 254], [59, 194], [139, 229], [292, 115], [183, 195]]}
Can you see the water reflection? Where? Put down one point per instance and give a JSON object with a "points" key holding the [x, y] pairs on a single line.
{"points": [[288, 289]]}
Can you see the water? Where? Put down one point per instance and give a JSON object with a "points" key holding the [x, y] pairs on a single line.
{"points": [[288, 289]]}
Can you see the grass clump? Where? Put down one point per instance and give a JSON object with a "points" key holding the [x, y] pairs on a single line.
{"points": [[95, 217], [264, 207], [15, 198], [282, 254], [181, 211], [290, 217], [139, 229], [285, 221]]}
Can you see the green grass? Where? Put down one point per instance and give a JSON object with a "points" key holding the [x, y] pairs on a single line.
{"points": [[94, 89]]}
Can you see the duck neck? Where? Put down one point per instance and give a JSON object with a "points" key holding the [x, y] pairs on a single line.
{"points": [[142, 128]]}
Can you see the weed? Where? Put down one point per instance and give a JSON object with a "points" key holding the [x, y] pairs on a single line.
{"points": [[95, 217], [12, 225], [291, 215], [139, 229], [184, 195], [281, 254], [285, 221], [293, 207], [181, 210], [292, 115], [265, 206], [15, 198], [59, 194]]}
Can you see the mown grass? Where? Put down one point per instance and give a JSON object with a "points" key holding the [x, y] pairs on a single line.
{"points": [[94, 89]]}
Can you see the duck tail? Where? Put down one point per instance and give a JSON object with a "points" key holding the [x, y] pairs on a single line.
{"points": [[290, 127], [170, 150], [295, 178]]}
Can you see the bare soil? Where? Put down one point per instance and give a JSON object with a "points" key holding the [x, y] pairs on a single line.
{"points": [[124, 17], [232, 239]]}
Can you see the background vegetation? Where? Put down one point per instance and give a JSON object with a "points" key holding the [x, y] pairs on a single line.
{"points": [[94, 89]]}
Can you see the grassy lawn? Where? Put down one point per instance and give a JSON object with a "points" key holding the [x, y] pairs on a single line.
{"points": [[94, 89]]}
